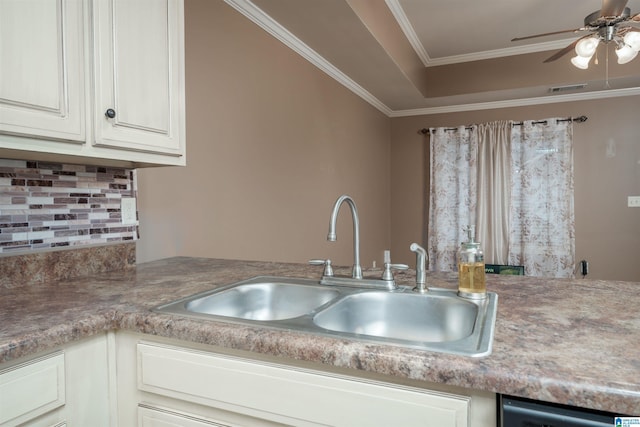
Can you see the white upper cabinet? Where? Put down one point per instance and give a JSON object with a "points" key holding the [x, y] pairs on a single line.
{"points": [[93, 80], [139, 70], [42, 70]]}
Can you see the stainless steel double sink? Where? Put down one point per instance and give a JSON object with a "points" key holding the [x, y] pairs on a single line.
{"points": [[438, 320]]}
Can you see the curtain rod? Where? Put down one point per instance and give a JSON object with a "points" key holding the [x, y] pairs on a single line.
{"points": [[579, 119]]}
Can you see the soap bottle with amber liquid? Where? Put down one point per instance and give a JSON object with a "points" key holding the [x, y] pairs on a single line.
{"points": [[471, 275]]}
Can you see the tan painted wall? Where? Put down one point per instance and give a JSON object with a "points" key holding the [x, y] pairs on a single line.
{"points": [[607, 231], [271, 143]]}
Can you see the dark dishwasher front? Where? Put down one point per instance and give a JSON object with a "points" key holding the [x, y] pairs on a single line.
{"points": [[519, 412]]}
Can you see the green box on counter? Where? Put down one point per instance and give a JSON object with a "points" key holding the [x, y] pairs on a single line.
{"points": [[514, 270]]}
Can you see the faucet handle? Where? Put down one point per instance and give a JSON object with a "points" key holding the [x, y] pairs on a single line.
{"points": [[388, 274], [328, 270]]}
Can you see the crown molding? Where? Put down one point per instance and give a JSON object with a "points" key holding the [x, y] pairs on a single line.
{"points": [[499, 53], [398, 12], [523, 102]]}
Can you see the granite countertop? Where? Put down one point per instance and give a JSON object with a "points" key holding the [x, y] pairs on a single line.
{"points": [[575, 342]]}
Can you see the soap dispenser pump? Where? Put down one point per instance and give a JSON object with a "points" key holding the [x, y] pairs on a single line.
{"points": [[471, 274]]}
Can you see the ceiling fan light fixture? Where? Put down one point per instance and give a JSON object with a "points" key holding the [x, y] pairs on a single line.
{"points": [[632, 38], [626, 54], [587, 46], [581, 62]]}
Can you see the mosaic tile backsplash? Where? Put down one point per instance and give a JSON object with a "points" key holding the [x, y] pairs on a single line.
{"points": [[49, 205]]}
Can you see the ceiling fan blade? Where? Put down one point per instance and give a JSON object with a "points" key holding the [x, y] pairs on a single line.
{"points": [[563, 52], [612, 7], [629, 24], [574, 30]]}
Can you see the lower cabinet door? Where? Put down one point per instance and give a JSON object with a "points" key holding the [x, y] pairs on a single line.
{"points": [[32, 389], [292, 396]]}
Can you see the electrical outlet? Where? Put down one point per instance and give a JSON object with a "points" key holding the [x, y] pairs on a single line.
{"points": [[584, 267], [128, 210], [633, 201]]}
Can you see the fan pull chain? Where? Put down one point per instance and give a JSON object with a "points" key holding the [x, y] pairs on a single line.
{"points": [[606, 70]]}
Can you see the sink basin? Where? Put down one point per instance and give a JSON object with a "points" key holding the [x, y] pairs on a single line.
{"points": [[262, 301], [426, 318], [437, 321]]}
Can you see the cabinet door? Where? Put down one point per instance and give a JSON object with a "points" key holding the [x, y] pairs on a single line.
{"points": [[139, 75], [32, 389], [41, 69]]}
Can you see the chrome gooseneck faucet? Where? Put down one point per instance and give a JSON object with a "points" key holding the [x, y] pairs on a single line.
{"points": [[357, 270]]}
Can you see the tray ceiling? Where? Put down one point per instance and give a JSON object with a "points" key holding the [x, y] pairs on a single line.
{"points": [[420, 56]]}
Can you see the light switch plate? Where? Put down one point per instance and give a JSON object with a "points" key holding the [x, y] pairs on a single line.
{"points": [[128, 210], [633, 201]]}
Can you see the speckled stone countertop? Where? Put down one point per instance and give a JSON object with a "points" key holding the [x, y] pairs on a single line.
{"points": [[575, 342]]}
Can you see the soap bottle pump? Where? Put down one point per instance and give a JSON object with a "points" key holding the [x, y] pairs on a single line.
{"points": [[471, 276]]}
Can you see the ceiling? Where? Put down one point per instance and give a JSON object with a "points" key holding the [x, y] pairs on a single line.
{"points": [[425, 56]]}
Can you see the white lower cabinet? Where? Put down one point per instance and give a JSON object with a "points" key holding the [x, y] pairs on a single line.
{"points": [[128, 379], [31, 389], [69, 386], [163, 383]]}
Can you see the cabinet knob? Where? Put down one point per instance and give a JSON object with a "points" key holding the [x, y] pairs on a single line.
{"points": [[111, 113]]}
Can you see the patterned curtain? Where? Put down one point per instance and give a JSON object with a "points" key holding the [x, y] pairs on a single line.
{"points": [[452, 200], [542, 218], [540, 222]]}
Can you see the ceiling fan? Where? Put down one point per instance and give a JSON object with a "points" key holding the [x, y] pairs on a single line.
{"points": [[613, 22]]}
